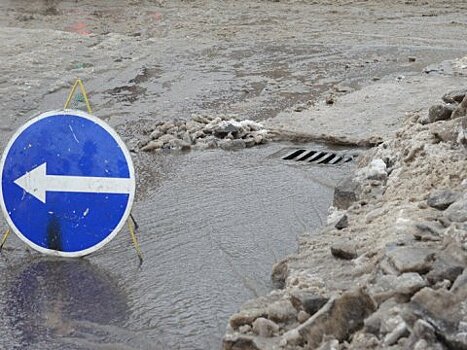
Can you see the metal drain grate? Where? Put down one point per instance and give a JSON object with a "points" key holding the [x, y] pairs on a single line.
{"points": [[319, 157]]}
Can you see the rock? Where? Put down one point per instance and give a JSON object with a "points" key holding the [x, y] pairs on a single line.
{"points": [[457, 212], [332, 344], [193, 126], [455, 96], [400, 287], [279, 274], [307, 301], [152, 145], [281, 311], [226, 127], [292, 337], [249, 142], [246, 328], [443, 269], [460, 282], [156, 134], [376, 170], [345, 193], [259, 139], [300, 107], [342, 223], [187, 138], [441, 199], [232, 145], [461, 109], [411, 259], [247, 316], [200, 119], [439, 112], [166, 126], [166, 138], [239, 342], [340, 317], [302, 316], [344, 250], [264, 327], [400, 331], [445, 312], [199, 134], [428, 231], [412, 58], [376, 323]]}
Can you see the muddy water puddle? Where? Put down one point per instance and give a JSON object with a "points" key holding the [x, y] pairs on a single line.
{"points": [[211, 225]]}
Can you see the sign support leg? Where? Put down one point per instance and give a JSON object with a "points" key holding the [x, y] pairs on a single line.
{"points": [[4, 238], [132, 227]]}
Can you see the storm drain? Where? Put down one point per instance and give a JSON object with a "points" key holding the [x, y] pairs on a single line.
{"points": [[319, 157]]}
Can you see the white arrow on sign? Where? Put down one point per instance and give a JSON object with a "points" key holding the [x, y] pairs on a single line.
{"points": [[36, 182]]}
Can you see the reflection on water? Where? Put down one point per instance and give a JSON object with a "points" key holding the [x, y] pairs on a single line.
{"points": [[61, 300]]}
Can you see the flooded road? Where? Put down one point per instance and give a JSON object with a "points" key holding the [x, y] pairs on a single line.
{"points": [[211, 222], [211, 225]]}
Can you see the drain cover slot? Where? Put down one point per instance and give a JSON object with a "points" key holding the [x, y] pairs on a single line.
{"points": [[319, 157]]}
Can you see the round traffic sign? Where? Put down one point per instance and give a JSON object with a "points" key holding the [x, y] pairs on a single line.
{"points": [[67, 183]]}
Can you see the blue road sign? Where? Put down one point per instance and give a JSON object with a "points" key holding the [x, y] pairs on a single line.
{"points": [[67, 183]]}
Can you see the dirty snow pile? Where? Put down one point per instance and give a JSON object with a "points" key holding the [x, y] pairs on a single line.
{"points": [[388, 271], [202, 132]]}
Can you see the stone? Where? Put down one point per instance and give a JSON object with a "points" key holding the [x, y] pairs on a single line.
{"points": [[166, 138], [439, 112], [249, 142], [332, 344], [187, 138], [344, 250], [376, 322], [259, 139], [232, 145], [200, 119], [281, 311], [345, 193], [302, 316], [457, 212], [156, 134], [461, 109], [339, 318], [428, 231], [455, 96], [246, 328], [279, 274], [247, 316], [166, 126], [411, 259], [193, 126], [412, 58], [441, 199], [390, 286], [307, 301], [264, 327], [226, 127], [199, 134], [400, 331], [443, 269], [342, 223], [376, 170], [292, 337], [460, 282], [445, 311], [239, 342], [152, 145]]}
